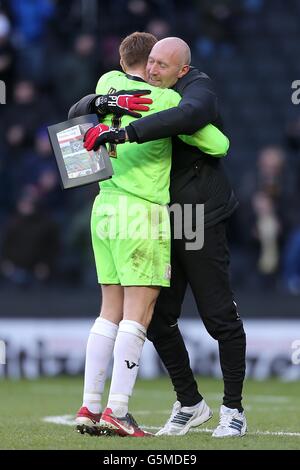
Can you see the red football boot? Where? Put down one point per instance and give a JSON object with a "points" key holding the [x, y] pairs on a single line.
{"points": [[87, 422], [125, 426]]}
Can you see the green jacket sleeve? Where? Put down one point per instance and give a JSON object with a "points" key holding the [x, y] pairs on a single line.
{"points": [[209, 140]]}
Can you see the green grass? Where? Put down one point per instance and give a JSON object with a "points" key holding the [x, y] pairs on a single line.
{"points": [[270, 406]]}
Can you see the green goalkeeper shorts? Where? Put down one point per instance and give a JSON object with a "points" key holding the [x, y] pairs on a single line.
{"points": [[131, 240]]}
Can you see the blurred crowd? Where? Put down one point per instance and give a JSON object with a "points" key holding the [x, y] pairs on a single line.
{"points": [[51, 54]]}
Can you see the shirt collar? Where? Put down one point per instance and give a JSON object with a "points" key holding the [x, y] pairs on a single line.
{"points": [[135, 78]]}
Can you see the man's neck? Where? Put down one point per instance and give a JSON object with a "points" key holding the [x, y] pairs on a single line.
{"points": [[137, 73]]}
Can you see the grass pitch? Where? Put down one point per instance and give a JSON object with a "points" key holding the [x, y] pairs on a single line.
{"points": [[38, 414]]}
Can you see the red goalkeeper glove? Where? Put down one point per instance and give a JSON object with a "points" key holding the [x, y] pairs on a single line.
{"points": [[101, 134], [123, 102]]}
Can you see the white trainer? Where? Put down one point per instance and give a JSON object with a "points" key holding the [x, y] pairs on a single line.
{"points": [[232, 423], [184, 418]]}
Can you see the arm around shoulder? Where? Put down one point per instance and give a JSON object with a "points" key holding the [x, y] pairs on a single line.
{"points": [[197, 108], [209, 140], [83, 106]]}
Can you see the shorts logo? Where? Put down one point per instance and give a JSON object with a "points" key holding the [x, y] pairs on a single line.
{"points": [[168, 272], [237, 313]]}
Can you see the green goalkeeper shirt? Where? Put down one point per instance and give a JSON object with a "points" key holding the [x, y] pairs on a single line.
{"points": [[143, 170]]}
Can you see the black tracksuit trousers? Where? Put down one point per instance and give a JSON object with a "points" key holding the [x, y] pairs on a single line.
{"points": [[207, 272]]}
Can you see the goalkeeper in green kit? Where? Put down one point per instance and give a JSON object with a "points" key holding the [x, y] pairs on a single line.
{"points": [[130, 235]]}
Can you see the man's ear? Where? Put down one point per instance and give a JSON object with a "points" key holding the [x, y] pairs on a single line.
{"points": [[122, 65], [183, 71]]}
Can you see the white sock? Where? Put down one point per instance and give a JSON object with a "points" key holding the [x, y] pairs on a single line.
{"points": [[127, 352], [99, 351]]}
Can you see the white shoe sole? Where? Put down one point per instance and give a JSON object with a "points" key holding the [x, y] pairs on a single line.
{"points": [[243, 432]]}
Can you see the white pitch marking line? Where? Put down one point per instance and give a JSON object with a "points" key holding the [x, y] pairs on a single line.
{"points": [[69, 420], [257, 433]]}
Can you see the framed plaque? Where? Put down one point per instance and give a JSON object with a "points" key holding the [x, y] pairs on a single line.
{"points": [[78, 166]]}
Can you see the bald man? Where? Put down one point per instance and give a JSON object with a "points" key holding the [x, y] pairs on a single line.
{"points": [[196, 178]]}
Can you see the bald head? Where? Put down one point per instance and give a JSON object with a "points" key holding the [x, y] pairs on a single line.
{"points": [[168, 61], [175, 46]]}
